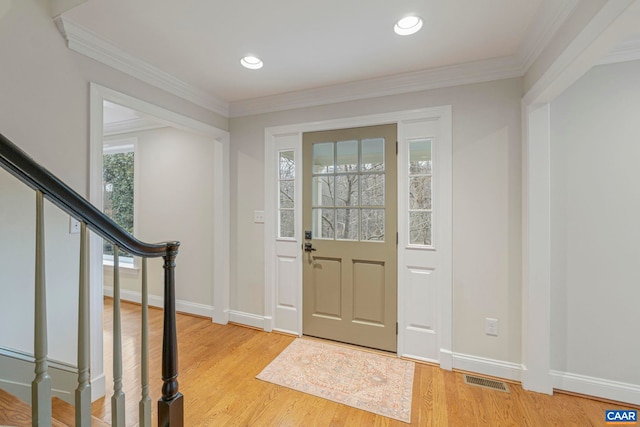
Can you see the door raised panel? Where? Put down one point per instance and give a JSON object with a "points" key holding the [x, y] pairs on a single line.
{"points": [[327, 283], [421, 287], [287, 276], [368, 292]]}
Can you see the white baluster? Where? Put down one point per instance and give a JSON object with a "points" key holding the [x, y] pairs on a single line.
{"points": [[41, 385], [117, 400], [145, 401], [83, 392]]}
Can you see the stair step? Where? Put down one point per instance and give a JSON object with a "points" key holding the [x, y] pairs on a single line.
{"points": [[17, 413]]}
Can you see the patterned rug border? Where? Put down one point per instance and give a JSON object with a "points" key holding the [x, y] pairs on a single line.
{"points": [[289, 378]]}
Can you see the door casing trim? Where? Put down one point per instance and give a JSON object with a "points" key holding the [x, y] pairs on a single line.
{"points": [[293, 134]]}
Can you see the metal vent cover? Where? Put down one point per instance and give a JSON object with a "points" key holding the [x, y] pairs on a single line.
{"points": [[486, 383]]}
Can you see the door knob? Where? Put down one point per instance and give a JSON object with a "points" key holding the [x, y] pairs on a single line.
{"points": [[308, 247]]}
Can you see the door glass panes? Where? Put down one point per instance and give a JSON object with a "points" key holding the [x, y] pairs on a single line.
{"points": [[323, 190], [373, 154], [347, 224], [323, 157], [286, 200], [373, 189], [347, 189], [372, 224], [323, 223], [347, 156], [348, 198], [420, 192]]}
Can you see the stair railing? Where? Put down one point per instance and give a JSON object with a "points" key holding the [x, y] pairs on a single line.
{"points": [[170, 405]]}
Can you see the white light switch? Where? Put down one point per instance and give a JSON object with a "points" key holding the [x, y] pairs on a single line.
{"points": [[74, 225], [258, 217]]}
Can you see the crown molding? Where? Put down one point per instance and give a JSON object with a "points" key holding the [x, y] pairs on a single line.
{"points": [[87, 43], [544, 27], [455, 75], [627, 51]]}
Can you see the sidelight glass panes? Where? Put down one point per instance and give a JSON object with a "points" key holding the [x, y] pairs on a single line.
{"points": [[420, 192], [420, 157], [286, 199], [420, 228], [348, 199]]}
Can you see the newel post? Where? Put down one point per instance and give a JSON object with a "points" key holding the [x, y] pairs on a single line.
{"points": [[170, 405]]}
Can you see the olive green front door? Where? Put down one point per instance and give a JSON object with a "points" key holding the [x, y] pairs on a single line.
{"points": [[350, 224]]}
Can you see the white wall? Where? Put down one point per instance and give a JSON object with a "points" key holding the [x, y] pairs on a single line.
{"points": [[486, 205], [175, 201], [595, 206], [44, 88]]}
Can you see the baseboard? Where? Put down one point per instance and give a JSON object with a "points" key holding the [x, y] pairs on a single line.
{"points": [[247, 319], [482, 365], [599, 387], [17, 374], [446, 359], [158, 301], [220, 316]]}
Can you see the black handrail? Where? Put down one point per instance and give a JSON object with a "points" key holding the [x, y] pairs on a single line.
{"points": [[23, 167]]}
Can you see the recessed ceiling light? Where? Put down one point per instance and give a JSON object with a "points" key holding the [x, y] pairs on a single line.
{"points": [[408, 25], [251, 62]]}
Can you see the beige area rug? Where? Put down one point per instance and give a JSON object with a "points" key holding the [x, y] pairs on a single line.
{"points": [[368, 381]]}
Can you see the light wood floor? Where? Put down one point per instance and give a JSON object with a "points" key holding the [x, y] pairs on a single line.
{"points": [[218, 365]]}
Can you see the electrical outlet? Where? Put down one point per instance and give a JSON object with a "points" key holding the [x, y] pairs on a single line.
{"points": [[491, 327], [74, 225], [258, 217]]}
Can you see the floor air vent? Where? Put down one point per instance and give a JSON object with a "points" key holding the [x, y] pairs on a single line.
{"points": [[486, 383]]}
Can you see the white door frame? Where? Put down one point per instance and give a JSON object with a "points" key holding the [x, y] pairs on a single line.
{"points": [[221, 223], [611, 25], [284, 313]]}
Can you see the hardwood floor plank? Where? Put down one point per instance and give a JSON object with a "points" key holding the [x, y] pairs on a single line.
{"points": [[218, 365]]}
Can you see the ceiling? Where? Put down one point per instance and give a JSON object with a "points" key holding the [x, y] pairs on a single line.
{"points": [[308, 45]]}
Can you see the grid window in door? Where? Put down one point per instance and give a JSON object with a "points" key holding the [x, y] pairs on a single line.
{"points": [[286, 199], [420, 194], [348, 186]]}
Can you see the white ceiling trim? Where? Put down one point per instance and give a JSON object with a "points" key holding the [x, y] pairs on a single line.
{"points": [[545, 25], [627, 51], [92, 45], [455, 75]]}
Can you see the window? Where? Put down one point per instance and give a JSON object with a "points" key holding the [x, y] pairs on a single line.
{"points": [[286, 201], [420, 186], [118, 192], [348, 190]]}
